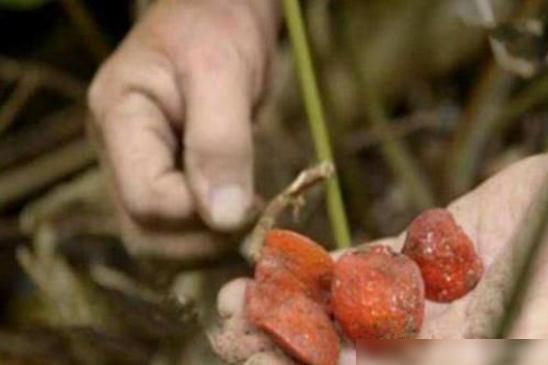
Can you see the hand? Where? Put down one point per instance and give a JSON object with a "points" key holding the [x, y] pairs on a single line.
{"points": [[491, 215], [177, 95]]}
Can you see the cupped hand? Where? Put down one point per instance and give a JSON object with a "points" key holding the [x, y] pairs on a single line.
{"points": [[172, 111], [491, 215]]}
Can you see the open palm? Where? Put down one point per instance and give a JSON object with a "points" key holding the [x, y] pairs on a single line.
{"points": [[492, 216]]}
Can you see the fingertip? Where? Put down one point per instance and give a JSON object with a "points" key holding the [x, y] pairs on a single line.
{"points": [[231, 298], [219, 145], [221, 179], [224, 195], [229, 205]]}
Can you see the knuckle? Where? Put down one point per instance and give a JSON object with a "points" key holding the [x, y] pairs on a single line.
{"points": [[208, 58], [99, 95], [96, 94], [109, 85]]}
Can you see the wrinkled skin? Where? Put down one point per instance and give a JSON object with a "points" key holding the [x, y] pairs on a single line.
{"points": [[180, 91], [490, 215]]}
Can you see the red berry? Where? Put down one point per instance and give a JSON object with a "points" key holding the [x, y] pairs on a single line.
{"points": [[296, 323], [297, 262], [290, 295], [449, 264], [378, 294]]}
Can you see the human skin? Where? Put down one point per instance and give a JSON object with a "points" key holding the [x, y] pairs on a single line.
{"points": [[491, 215], [178, 95], [172, 116]]}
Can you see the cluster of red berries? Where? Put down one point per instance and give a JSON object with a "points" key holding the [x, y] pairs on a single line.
{"points": [[374, 294]]}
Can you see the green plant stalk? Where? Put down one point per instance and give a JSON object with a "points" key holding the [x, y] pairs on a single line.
{"points": [[316, 119]]}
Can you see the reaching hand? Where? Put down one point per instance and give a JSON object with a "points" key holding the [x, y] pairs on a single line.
{"points": [[172, 120]]}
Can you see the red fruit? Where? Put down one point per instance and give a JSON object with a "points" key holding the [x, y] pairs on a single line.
{"points": [[378, 294], [297, 263], [449, 264], [289, 297], [296, 323]]}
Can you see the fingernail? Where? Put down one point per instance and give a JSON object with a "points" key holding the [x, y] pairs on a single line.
{"points": [[228, 207]]}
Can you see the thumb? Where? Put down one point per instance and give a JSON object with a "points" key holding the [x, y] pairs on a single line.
{"points": [[218, 141]]}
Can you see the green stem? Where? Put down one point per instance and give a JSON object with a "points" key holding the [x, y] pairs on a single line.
{"points": [[316, 118]]}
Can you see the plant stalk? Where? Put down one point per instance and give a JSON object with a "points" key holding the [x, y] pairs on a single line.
{"points": [[316, 118]]}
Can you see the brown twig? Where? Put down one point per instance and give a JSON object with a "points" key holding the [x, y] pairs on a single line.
{"points": [[51, 78], [26, 87], [291, 196], [501, 54], [88, 28], [72, 300], [111, 279], [365, 137], [19, 182], [75, 208], [49, 133]]}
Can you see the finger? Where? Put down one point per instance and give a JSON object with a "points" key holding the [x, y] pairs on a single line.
{"points": [[231, 298], [237, 340], [270, 358], [185, 246], [140, 154], [218, 141]]}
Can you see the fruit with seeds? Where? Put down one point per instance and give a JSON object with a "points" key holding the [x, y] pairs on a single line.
{"points": [[449, 263], [377, 295]]}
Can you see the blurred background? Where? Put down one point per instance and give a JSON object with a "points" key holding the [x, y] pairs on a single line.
{"points": [[425, 99]]}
